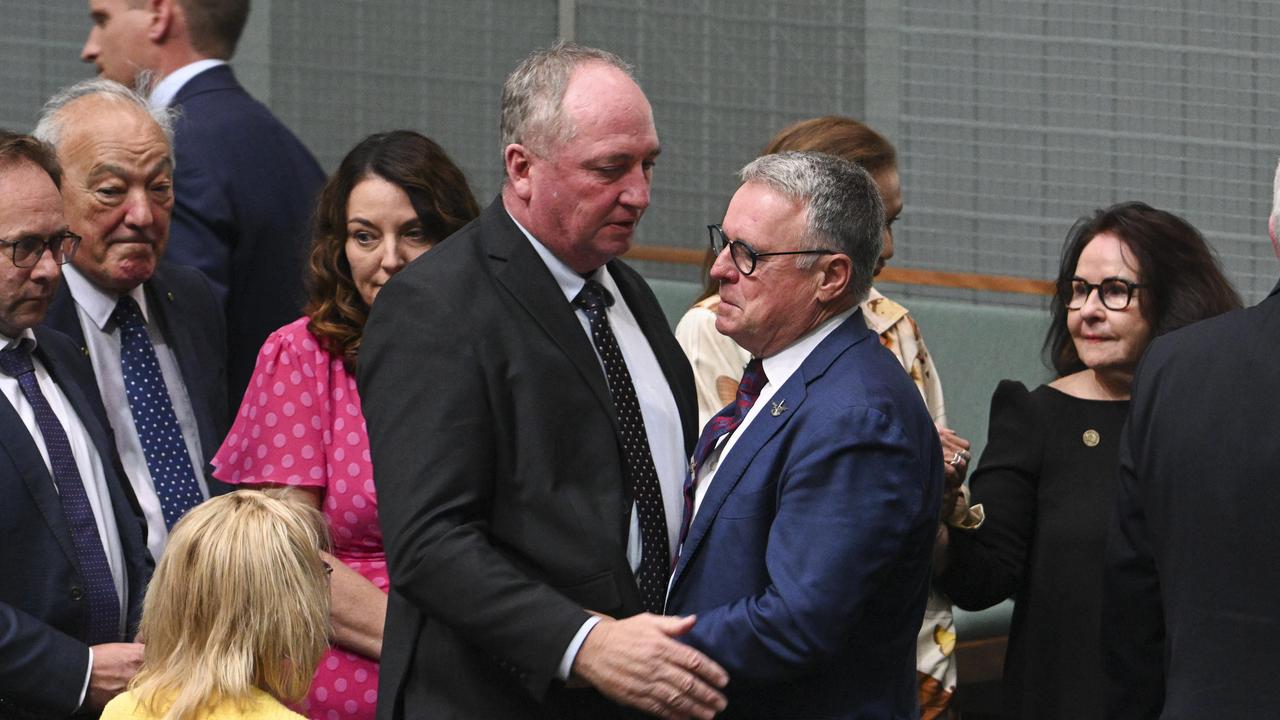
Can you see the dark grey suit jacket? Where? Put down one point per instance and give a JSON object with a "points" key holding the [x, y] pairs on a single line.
{"points": [[43, 611], [499, 476], [1190, 608]]}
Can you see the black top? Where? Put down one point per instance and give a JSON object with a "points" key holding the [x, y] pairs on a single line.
{"points": [[1047, 483]]}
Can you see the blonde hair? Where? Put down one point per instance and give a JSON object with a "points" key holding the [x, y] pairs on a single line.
{"points": [[240, 600]]}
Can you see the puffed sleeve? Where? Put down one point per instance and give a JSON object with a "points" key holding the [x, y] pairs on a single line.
{"points": [[987, 565], [713, 357], [281, 432]]}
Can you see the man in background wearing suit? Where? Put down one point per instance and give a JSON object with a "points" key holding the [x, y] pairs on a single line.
{"points": [[815, 496], [152, 330], [245, 186], [74, 559], [529, 413], [1190, 615]]}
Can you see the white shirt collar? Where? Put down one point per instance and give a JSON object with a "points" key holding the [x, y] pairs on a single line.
{"points": [[779, 366], [97, 303], [570, 282], [7, 342], [167, 88]]}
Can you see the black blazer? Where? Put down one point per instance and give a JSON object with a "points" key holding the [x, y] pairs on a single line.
{"points": [[43, 613], [1190, 607], [244, 192], [194, 327], [499, 476]]}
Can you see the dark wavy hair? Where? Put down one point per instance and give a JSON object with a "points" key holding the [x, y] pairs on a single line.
{"points": [[440, 196], [1183, 280]]}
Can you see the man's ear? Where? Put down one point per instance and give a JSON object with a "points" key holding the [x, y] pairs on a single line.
{"points": [[162, 16], [519, 164], [837, 272]]}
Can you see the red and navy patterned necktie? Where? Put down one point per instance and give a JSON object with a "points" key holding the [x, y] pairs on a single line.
{"points": [[724, 422]]}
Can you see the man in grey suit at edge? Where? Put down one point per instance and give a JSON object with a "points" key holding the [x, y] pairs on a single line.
{"points": [[530, 415]]}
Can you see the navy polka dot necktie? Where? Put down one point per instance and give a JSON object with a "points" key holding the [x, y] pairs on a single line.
{"points": [[99, 586], [637, 459], [153, 416]]}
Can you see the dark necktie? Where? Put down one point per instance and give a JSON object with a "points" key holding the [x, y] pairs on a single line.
{"points": [[153, 416], [100, 588], [724, 422], [637, 459]]}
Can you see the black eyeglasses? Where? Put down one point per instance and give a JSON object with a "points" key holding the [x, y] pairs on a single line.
{"points": [[1115, 293], [27, 251], [743, 255]]}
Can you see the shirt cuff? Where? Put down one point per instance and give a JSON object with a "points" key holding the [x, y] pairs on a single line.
{"points": [[571, 652], [88, 674]]}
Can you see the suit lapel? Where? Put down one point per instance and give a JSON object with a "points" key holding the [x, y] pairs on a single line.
{"points": [[764, 426], [522, 272], [22, 451], [161, 301]]}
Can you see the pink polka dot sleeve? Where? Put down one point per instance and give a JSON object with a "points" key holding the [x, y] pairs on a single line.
{"points": [[280, 432]]}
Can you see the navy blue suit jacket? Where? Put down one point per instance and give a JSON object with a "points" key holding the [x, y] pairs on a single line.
{"points": [[43, 611], [194, 327], [808, 560], [245, 189]]}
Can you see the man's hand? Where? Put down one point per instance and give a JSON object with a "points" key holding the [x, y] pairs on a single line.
{"points": [[637, 662], [114, 665]]}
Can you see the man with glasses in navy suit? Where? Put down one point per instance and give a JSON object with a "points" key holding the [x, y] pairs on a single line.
{"points": [[812, 500], [75, 563]]}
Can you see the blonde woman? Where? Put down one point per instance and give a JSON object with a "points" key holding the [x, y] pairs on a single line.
{"points": [[236, 616]]}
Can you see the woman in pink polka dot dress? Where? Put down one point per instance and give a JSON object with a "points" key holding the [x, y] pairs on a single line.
{"points": [[300, 425]]}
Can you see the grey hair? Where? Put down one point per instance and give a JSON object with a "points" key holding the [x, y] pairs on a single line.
{"points": [[843, 210], [50, 126], [531, 96]]}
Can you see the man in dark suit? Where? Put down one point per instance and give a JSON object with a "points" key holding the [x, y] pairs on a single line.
{"points": [[245, 186], [815, 496], [1189, 606], [75, 563], [529, 413], [144, 324]]}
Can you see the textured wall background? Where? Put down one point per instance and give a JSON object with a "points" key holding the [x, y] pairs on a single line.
{"points": [[1012, 117]]}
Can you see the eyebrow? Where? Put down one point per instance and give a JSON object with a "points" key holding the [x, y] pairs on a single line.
{"points": [[112, 169]]}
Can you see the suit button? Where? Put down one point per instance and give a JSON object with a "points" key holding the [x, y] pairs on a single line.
{"points": [[77, 593]]}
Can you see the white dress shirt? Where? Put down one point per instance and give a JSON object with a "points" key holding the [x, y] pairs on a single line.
{"points": [[94, 308], [662, 426], [168, 88], [778, 368]]}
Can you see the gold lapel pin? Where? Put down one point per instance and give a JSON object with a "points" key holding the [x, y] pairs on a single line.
{"points": [[1091, 438]]}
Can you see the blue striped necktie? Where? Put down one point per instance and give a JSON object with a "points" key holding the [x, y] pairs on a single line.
{"points": [[157, 424], [100, 588]]}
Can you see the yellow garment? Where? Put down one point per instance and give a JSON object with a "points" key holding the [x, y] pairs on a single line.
{"points": [[258, 706]]}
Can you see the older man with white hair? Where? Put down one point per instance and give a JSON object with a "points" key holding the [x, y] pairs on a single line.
{"points": [[153, 331]]}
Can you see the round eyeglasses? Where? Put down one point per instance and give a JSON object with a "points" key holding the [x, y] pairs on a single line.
{"points": [[1115, 293], [26, 251], [743, 255]]}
